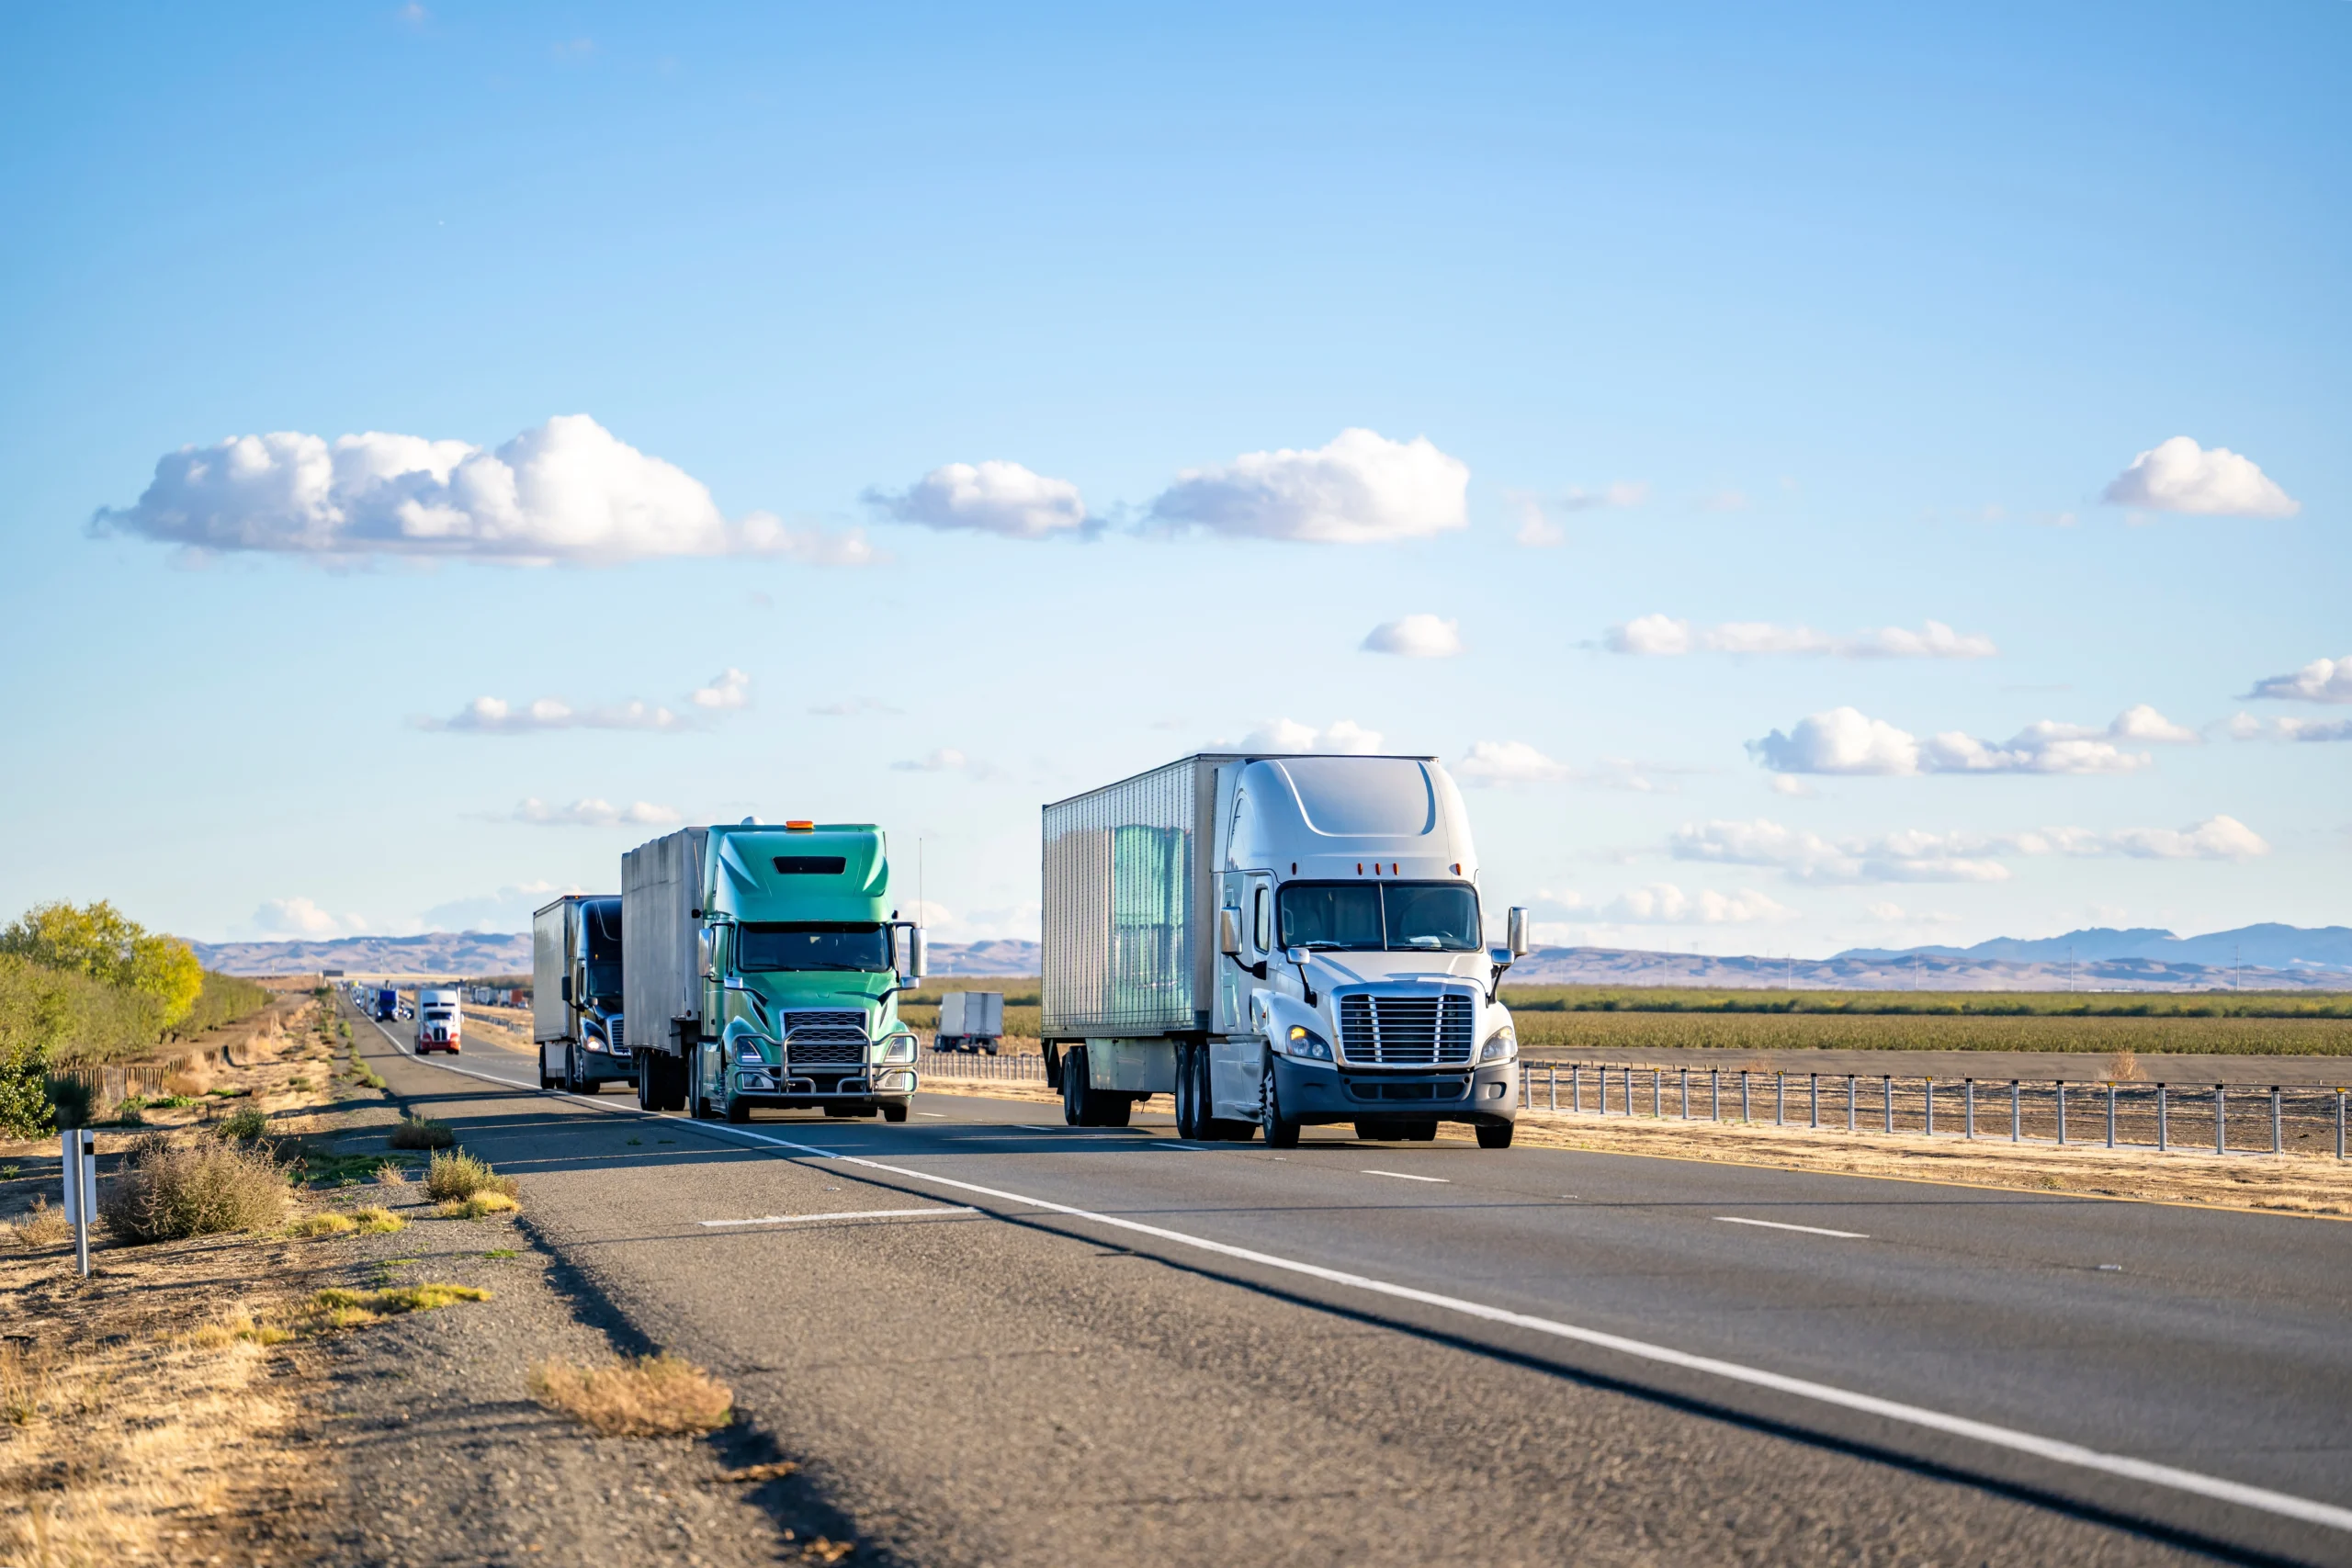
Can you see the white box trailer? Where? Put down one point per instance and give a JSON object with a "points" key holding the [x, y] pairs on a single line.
{"points": [[970, 1020], [1275, 941]]}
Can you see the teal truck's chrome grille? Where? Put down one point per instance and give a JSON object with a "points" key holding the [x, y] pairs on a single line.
{"points": [[829, 1038], [1406, 1031]]}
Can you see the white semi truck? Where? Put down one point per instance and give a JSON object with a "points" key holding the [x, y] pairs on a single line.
{"points": [[439, 1020], [1276, 941]]}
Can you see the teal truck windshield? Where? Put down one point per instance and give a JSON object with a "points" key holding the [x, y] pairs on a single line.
{"points": [[1372, 917], [812, 945]]}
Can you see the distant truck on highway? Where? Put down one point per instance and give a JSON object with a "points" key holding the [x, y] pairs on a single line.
{"points": [[1276, 942], [970, 1020], [387, 1004], [762, 969], [576, 1015], [438, 1021]]}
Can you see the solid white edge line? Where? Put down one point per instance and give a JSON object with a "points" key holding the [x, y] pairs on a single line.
{"points": [[1407, 1175], [1782, 1225], [845, 1214], [2261, 1498]]}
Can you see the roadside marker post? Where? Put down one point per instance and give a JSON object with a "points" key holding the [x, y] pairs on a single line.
{"points": [[1968, 1102], [2164, 1125], [78, 1164], [2221, 1119], [2110, 1113], [2017, 1118]]}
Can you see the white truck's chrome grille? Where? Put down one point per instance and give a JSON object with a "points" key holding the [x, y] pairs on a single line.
{"points": [[1406, 1031], [829, 1038]]}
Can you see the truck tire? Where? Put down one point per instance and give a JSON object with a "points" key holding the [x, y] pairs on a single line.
{"points": [[1281, 1133], [649, 1097], [1496, 1135], [894, 1113], [571, 1067], [1190, 1096], [1074, 1088], [669, 1076]]}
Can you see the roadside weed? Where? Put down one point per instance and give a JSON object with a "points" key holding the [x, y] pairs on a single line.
{"points": [[647, 1396]]}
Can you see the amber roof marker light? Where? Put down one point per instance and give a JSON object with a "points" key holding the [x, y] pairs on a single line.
{"points": [[798, 827]]}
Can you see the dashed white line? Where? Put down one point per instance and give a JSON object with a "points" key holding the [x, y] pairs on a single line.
{"points": [[1777, 1226], [845, 1214], [1407, 1175]]}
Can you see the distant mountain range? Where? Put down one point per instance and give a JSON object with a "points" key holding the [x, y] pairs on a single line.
{"points": [[2275, 957]]}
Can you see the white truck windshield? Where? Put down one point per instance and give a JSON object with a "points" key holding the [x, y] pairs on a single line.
{"points": [[812, 945], [1373, 917]]}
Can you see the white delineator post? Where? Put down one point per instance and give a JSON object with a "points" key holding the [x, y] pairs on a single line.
{"points": [[79, 1166]]}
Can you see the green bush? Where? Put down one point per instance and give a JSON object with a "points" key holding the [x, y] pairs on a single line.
{"points": [[166, 1191], [225, 999], [244, 1124], [456, 1176], [422, 1132], [69, 1102], [24, 1094]]}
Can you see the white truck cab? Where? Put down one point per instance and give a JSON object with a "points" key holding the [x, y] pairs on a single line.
{"points": [[1277, 941]]}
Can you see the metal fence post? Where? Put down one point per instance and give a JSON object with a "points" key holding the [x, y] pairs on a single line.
{"points": [[2278, 1133], [1886, 1082], [2339, 1124], [1743, 1095], [1552, 1073], [1604, 1088], [1780, 1099], [2017, 1118], [2164, 1130], [2110, 1113], [1686, 1094], [2059, 1085], [1657, 1094], [1850, 1102], [1816, 1101], [1928, 1094], [2221, 1119], [1715, 1097], [1968, 1107]]}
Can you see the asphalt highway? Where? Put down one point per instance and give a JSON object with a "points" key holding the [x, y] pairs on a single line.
{"points": [[999, 1339]]}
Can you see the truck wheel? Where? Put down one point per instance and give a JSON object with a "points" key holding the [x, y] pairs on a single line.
{"points": [[646, 1095], [673, 1082], [739, 1111], [989, 1047], [1281, 1133], [894, 1113], [1074, 1094], [1188, 1092], [1495, 1135]]}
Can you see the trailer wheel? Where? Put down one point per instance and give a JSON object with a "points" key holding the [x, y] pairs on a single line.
{"points": [[1281, 1133], [648, 1096], [1074, 1094], [1496, 1135]]}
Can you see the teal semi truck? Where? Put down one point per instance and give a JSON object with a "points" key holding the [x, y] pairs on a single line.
{"points": [[762, 969]]}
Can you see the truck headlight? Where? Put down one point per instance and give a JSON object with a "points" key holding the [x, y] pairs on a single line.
{"points": [[895, 1048], [1500, 1046], [1301, 1041], [748, 1052]]}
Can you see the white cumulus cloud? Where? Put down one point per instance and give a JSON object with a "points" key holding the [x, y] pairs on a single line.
{"points": [[1343, 736], [565, 490], [1663, 904], [594, 813], [1665, 635], [496, 715], [994, 497], [1917, 855], [2180, 476], [1361, 488], [303, 917], [730, 688], [1416, 637], [2321, 681], [1844, 740], [1512, 762]]}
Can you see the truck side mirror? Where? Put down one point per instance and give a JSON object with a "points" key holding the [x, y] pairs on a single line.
{"points": [[1516, 925], [1228, 932], [708, 950], [914, 954], [567, 987]]}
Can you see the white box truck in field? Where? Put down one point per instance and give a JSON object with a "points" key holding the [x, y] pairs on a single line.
{"points": [[970, 1020], [1276, 942], [439, 1020], [762, 968], [576, 1016]]}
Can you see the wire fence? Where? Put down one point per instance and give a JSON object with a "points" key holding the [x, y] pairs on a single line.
{"points": [[1012, 1066], [2233, 1119]]}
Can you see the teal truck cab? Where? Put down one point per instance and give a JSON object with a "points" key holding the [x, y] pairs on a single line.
{"points": [[762, 969]]}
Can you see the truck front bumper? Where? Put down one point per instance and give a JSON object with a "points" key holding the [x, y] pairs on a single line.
{"points": [[772, 1087], [1318, 1092]]}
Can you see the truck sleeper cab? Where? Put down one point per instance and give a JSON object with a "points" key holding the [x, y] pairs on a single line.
{"points": [[1276, 942], [439, 1018], [762, 969]]}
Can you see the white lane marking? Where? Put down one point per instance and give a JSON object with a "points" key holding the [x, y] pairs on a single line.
{"points": [[934, 1115], [846, 1214], [2261, 1498], [1407, 1176], [1777, 1226]]}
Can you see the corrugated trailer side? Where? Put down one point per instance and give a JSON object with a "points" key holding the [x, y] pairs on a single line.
{"points": [[550, 962], [1129, 889], [661, 981]]}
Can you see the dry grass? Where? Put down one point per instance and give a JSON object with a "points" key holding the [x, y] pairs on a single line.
{"points": [[44, 1226], [332, 1309], [422, 1132], [374, 1221], [165, 1191], [2124, 1067], [324, 1224], [391, 1173], [455, 1176], [648, 1396], [482, 1205]]}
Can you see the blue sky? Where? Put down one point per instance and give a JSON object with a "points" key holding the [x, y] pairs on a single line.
{"points": [[1770, 336]]}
